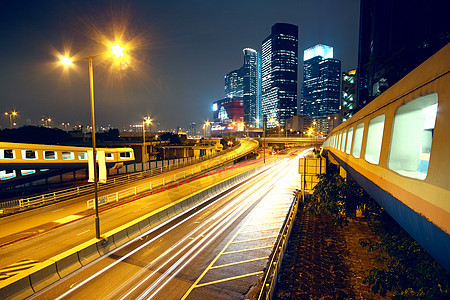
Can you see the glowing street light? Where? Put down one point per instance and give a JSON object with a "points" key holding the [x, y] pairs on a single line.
{"points": [[11, 114], [117, 51], [147, 121], [205, 126]]}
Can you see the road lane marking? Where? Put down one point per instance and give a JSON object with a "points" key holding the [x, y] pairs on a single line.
{"points": [[250, 249], [58, 210], [253, 231], [67, 219], [16, 268], [83, 232], [239, 262], [256, 239], [230, 278]]}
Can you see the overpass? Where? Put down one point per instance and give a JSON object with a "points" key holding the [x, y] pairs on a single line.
{"points": [[396, 148]]}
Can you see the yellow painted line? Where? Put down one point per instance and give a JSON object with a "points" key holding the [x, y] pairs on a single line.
{"points": [[194, 285], [67, 219], [257, 239], [239, 262], [22, 262], [251, 249], [258, 224], [230, 278], [253, 231]]}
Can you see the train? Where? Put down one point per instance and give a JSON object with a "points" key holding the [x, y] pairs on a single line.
{"points": [[30, 157], [396, 148]]}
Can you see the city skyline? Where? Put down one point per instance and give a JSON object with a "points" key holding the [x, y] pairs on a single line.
{"points": [[180, 55]]}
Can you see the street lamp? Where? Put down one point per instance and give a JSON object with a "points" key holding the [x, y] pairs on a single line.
{"points": [[117, 51], [11, 114], [147, 121], [205, 127]]}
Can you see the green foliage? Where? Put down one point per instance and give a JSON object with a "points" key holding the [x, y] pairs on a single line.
{"points": [[338, 197], [410, 271]]}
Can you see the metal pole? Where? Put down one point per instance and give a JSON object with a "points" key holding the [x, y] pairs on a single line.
{"points": [[264, 140], [94, 150], [143, 145]]}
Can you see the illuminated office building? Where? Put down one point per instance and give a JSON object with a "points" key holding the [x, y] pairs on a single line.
{"points": [[349, 94], [321, 82], [279, 74], [234, 84]]}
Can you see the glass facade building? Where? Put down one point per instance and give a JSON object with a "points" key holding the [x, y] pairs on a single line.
{"points": [[234, 84], [250, 73], [279, 67], [321, 82], [396, 36]]}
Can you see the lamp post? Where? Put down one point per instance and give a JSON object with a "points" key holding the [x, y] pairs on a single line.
{"points": [[118, 52], [11, 114], [146, 120]]}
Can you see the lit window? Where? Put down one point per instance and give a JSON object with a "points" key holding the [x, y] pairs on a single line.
{"points": [[109, 156], [125, 154], [49, 155], [358, 140], [412, 136], [349, 140], [344, 134], [374, 140], [339, 141], [29, 154], [82, 156], [67, 155], [7, 154]]}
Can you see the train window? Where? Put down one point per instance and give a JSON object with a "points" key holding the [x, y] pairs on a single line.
{"points": [[412, 135], [349, 140], [109, 156], [344, 136], [125, 154], [82, 156], [374, 140], [7, 154], [338, 144], [357, 143], [49, 155], [67, 155], [29, 154]]}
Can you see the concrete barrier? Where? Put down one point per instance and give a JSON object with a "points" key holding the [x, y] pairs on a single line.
{"points": [[133, 231], [105, 245], [120, 237], [43, 274], [67, 263], [16, 287], [88, 253], [144, 225]]}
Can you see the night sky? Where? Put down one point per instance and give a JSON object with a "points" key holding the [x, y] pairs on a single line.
{"points": [[179, 54]]}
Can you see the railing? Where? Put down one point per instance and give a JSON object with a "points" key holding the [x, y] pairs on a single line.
{"points": [[13, 206], [273, 269]]}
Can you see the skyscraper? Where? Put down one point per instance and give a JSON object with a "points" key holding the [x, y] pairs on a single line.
{"points": [[349, 96], [234, 84], [321, 82], [250, 73], [279, 74]]}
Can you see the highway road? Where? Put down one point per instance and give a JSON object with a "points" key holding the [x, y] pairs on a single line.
{"points": [[216, 251], [47, 231]]}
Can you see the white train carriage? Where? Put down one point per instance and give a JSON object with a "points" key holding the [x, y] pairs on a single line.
{"points": [[396, 148], [29, 157]]}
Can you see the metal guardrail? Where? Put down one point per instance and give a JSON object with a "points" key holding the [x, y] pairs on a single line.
{"points": [[13, 206], [273, 269]]}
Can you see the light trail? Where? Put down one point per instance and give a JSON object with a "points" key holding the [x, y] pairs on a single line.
{"points": [[92, 277]]}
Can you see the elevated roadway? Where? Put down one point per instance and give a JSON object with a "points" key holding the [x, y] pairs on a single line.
{"points": [[218, 251], [45, 231]]}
